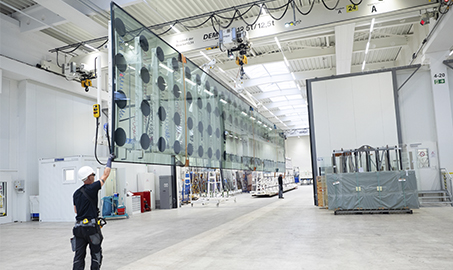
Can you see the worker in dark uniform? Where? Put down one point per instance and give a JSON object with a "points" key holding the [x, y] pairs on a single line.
{"points": [[280, 186], [86, 229]]}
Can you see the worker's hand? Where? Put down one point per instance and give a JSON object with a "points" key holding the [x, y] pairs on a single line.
{"points": [[109, 161]]}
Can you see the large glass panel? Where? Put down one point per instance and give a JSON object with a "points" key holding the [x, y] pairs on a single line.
{"points": [[165, 106]]}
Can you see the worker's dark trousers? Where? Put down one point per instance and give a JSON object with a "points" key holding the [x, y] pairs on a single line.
{"points": [[87, 236]]}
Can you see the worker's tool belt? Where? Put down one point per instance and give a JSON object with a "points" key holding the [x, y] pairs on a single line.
{"points": [[87, 223]]}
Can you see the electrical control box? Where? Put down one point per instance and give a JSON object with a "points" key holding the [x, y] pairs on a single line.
{"points": [[96, 110], [19, 186]]}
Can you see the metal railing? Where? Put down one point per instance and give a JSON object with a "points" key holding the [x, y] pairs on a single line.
{"points": [[447, 182]]}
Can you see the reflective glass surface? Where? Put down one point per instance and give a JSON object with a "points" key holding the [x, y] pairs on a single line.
{"points": [[165, 106]]}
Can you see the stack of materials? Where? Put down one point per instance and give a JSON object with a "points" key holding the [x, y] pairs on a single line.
{"points": [[321, 191], [372, 190]]}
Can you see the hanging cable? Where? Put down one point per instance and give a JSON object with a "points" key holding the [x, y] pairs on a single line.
{"points": [[324, 3], [301, 12], [96, 143]]}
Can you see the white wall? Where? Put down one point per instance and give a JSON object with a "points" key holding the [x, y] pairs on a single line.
{"points": [[354, 111], [418, 125], [298, 149]]}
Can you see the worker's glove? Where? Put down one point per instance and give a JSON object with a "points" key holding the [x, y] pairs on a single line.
{"points": [[109, 161]]}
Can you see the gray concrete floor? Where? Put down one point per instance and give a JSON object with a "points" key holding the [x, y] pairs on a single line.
{"points": [[252, 233]]}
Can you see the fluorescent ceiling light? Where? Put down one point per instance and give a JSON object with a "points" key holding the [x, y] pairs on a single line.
{"points": [[287, 85], [292, 97], [367, 47], [256, 71], [243, 113], [286, 61], [276, 68], [223, 101], [131, 67], [251, 117], [278, 99], [269, 87], [265, 125], [91, 47], [287, 107], [205, 56], [176, 30], [259, 122], [165, 67], [363, 65], [278, 43], [222, 70], [451, 53], [292, 74], [372, 25], [209, 93]]}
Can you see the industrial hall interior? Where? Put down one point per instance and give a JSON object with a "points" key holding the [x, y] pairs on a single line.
{"points": [[233, 134]]}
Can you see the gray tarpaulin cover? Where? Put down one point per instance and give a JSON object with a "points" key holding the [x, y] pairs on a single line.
{"points": [[372, 190]]}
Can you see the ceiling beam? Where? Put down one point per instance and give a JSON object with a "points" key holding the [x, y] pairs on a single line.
{"points": [[73, 15], [28, 25], [344, 41]]}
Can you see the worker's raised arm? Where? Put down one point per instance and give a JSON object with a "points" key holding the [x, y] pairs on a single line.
{"points": [[108, 168]]}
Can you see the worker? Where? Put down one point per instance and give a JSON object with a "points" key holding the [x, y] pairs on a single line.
{"points": [[86, 229], [280, 186]]}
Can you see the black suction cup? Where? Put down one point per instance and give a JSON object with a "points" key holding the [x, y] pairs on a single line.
{"points": [[161, 83], [144, 43], [120, 62], [175, 64], [188, 73], [120, 136], [208, 107], [217, 132], [177, 119], [161, 144], [216, 92], [145, 107], [144, 74], [209, 130], [210, 152], [217, 154], [230, 119], [190, 123], [162, 114], [189, 98], [119, 27], [176, 91], [199, 103], [120, 99], [216, 111], [200, 127], [224, 155], [198, 79], [200, 151], [177, 147], [207, 85], [189, 149], [160, 54], [145, 141]]}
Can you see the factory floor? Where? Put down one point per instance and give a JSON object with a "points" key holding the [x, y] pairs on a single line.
{"points": [[251, 233]]}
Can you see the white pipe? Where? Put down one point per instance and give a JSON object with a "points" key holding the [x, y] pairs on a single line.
{"points": [[99, 78]]}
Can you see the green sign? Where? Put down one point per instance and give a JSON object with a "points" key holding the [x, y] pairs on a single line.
{"points": [[440, 81]]}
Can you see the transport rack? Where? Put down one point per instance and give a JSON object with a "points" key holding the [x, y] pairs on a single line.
{"points": [[371, 211]]}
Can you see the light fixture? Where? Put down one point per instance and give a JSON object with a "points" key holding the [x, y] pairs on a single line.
{"points": [[208, 92], [292, 74], [222, 70], [286, 61], [278, 43], [243, 113], [223, 101], [450, 53], [131, 67], [176, 30], [288, 24], [253, 118], [372, 25], [205, 56], [90, 47]]}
